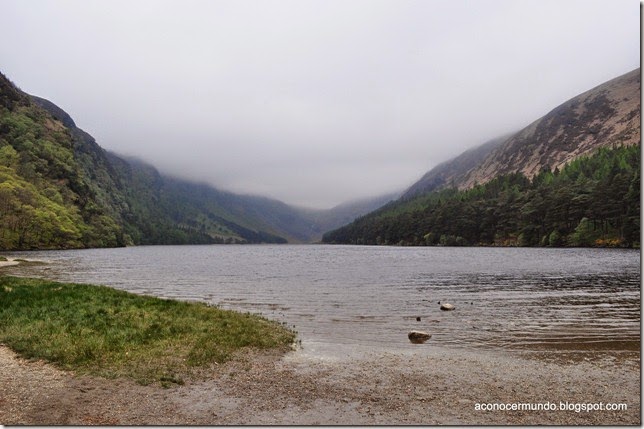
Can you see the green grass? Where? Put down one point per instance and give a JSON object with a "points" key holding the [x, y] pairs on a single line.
{"points": [[102, 331]]}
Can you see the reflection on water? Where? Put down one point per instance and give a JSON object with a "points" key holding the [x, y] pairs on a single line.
{"points": [[568, 301]]}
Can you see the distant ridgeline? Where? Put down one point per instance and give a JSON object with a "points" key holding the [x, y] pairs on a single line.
{"points": [[59, 189], [593, 201], [571, 178]]}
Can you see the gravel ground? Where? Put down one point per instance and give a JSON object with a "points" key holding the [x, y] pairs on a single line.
{"points": [[439, 387]]}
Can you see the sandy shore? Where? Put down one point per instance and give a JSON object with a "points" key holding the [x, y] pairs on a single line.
{"points": [[378, 388], [9, 262]]}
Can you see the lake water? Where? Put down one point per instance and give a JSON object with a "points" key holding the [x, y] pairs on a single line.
{"points": [[548, 301]]}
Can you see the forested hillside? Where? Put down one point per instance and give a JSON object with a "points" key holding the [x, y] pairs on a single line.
{"points": [[45, 198], [60, 189], [592, 201], [571, 178]]}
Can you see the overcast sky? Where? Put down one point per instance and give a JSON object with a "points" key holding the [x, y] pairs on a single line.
{"points": [[311, 102]]}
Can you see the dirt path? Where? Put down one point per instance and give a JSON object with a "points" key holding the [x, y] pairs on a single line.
{"points": [[297, 389]]}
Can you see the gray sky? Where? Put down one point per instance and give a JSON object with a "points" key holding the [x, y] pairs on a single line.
{"points": [[311, 102]]}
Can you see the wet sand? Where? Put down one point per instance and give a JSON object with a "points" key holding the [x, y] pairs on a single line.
{"points": [[9, 262], [305, 388]]}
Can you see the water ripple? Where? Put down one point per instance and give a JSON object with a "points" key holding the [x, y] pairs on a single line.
{"points": [[535, 300]]}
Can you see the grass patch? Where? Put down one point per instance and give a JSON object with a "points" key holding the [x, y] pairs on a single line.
{"points": [[103, 331], [3, 259]]}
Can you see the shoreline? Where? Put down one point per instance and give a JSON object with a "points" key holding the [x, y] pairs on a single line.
{"points": [[9, 262], [304, 389], [333, 384]]}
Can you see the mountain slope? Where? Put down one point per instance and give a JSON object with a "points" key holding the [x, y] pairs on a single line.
{"points": [[606, 116], [197, 208], [449, 173], [44, 193], [151, 208], [60, 189], [321, 221], [598, 129], [593, 201]]}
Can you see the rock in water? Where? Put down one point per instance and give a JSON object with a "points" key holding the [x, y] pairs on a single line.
{"points": [[418, 337], [447, 307]]}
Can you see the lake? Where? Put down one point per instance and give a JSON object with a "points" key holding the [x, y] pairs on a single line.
{"points": [[548, 302]]}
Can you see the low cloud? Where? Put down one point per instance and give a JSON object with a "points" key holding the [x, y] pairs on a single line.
{"points": [[311, 102]]}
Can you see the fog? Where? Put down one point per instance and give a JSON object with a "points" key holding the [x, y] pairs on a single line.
{"points": [[311, 102]]}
